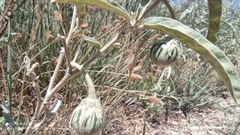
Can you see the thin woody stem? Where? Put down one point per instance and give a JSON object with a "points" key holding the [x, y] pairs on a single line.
{"points": [[69, 75], [66, 44], [52, 90], [53, 78]]}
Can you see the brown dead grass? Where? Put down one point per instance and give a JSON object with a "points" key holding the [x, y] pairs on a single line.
{"points": [[220, 118]]}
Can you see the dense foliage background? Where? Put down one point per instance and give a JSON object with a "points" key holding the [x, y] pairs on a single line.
{"points": [[187, 98]]}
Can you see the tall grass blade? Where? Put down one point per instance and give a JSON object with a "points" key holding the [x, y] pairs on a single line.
{"points": [[9, 69]]}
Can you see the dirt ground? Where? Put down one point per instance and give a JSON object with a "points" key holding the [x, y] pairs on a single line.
{"points": [[220, 118]]}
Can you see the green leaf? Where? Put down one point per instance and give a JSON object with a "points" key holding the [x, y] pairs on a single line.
{"points": [[54, 107], [93, 41], [27, 61], [108, 5], [6, 114], [1, 119], [229, 26], [5, 107], [1, 4], [185, 12], [117, 44], [80, 12], [142, 8], [215, 12], [201, 45]]}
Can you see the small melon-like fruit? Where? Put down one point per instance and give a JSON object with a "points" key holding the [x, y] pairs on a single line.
{"points": [[164, 53], [88, 118]]}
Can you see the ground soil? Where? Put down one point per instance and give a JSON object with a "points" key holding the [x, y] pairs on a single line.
{"points": [[219, 118]]}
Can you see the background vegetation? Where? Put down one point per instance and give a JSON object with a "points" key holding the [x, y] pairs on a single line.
{"points": [[149, 101]]}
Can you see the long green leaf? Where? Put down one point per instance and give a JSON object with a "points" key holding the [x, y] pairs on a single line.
{"points": [[93, 41], [9, 68], [201, 45], [109, 5], [142, 8], [215, 12], [185, 12]]}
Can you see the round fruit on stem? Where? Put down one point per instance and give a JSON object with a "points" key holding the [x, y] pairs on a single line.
{"points": [[88, 118], [164, 52]]}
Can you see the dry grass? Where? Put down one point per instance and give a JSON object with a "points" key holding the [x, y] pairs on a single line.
{"points": [[124, 77]]}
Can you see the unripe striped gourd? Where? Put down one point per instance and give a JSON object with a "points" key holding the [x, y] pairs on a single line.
{"points": [[164, 52], [88, 118]]}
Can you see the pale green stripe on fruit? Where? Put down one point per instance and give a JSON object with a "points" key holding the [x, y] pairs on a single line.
{"points": [[215, 12], [201, 45]]}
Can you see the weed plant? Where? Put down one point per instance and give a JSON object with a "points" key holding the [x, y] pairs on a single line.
{"points": [[34, 31]]}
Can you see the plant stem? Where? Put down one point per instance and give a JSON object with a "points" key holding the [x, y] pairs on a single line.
{"points": [[91, 88], [53, 78], [66, 44], [101, 51], [36, 87], [69, 75], [150, 8], [21, 97], [9, 71], [170, 9]]}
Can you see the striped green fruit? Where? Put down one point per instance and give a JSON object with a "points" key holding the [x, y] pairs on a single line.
{"points": [[88, 117], [164, 52]]}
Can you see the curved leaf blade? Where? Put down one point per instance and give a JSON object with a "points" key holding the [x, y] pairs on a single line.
{"points": [[142, 8], [93, 41], [108, 5], [201, 45], [6, 114], [185, 12], [53, 109], [230, 26], [215, 12]]}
